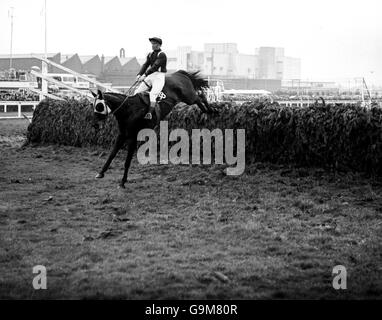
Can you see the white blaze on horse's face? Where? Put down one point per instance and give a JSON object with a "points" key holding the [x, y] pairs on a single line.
{"points": [[101, 107]]}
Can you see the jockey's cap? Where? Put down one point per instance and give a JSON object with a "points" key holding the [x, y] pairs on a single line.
{"points": [[155, 39]]}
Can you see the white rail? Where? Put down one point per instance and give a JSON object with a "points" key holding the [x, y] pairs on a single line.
{"points": [[79, 75], [19, 104], [59, 83], [49, 95]]}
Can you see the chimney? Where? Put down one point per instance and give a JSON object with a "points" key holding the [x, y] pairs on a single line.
{"points": [[102, 63], [122, 53]]}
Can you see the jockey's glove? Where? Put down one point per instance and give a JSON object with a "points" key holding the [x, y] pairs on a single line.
{"points": [[141, 78]]}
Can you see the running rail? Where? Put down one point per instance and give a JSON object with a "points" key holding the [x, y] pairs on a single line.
{"points": [[79, 75], [59, 83]]}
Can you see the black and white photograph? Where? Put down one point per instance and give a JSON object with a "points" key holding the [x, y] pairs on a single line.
{"points": [[211, 151]]}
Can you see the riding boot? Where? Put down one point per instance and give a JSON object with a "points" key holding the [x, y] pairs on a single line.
{"points": [[157, 111], [154, 107], [149, 115]]}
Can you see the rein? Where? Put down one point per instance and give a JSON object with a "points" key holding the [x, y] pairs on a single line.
{"points": [[129, 94]]}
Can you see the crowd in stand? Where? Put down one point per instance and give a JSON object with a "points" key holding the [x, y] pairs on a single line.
{"points": [[289, 97], [18, 96], [243, 98], [313, 97], [25, 95]]}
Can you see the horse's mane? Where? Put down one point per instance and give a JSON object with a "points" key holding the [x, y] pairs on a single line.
{"points": [[130, 102], [121, 95], [197, 80]]}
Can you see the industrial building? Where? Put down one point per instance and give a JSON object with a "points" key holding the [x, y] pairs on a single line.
{"points": [[265, 69], [224, 59], [117, 70]]}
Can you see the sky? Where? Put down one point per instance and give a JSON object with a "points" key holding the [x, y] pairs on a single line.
{"points": [[335, 39]]}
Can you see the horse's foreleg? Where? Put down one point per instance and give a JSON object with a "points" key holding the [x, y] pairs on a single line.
{"points": [[131, 146], [117, 145]]}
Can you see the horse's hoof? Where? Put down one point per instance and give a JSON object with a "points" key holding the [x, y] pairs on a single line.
{"points": [[121, 186], [99, 176]]}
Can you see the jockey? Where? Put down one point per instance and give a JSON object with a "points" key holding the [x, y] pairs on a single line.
{"points": [[152, 74]]}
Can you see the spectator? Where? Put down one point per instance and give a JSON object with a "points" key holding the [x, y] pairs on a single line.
{"points": [[18, 96]]}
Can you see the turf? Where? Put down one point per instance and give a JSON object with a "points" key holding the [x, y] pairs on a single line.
{"points": [[181, 232]]}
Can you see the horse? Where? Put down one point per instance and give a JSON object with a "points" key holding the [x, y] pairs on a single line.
{"points": [[129, 111]]}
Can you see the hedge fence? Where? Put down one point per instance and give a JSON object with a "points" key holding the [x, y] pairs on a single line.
{"points": [[344, 137]]}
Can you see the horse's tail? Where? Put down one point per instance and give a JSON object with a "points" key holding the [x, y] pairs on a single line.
{"points": [[197, 80]]}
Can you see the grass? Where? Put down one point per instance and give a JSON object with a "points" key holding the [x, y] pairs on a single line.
{"points": [[274, 232]]}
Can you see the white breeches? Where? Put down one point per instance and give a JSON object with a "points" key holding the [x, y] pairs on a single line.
{"points": [[156, 80]]}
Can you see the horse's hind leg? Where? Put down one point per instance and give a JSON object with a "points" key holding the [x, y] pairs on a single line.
{"points": [[131, 146], [201, 105], [203, 98], [204, 106]]}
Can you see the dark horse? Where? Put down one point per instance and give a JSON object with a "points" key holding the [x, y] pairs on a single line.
{"points": [[180, 86]]}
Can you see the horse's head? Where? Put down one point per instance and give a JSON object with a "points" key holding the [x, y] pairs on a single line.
{"points": [[100, 109]]}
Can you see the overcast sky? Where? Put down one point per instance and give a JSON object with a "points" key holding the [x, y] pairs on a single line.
{"points": [[334, 38]]}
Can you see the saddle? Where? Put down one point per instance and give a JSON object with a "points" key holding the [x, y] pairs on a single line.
{"points": [[145, 97]]}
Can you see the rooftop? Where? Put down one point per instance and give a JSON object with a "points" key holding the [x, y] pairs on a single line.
{"points": [[27, 55]]}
